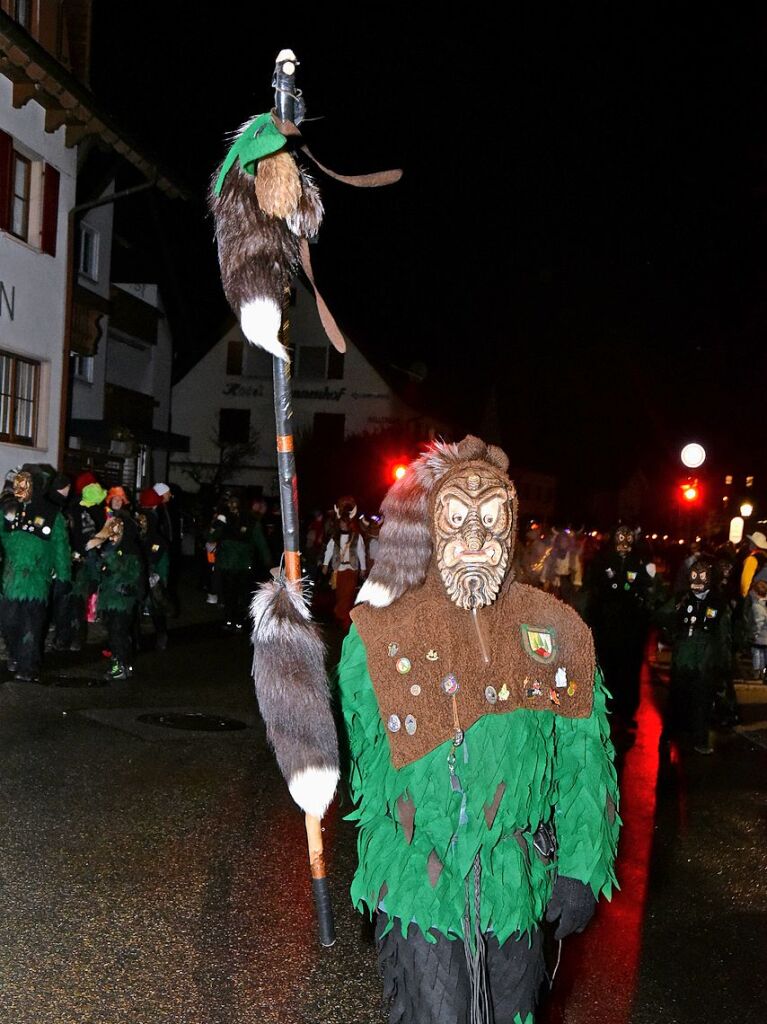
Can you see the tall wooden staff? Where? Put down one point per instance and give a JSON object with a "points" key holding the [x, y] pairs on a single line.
{"points": [[266, 207], [285, 106]]}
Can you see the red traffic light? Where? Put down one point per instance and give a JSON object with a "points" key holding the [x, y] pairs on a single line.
{"points": [[398, 471], [690, 492]]}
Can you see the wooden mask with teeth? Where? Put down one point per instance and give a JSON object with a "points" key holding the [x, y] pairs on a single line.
{"points": [[474, 520], [22, 486]]}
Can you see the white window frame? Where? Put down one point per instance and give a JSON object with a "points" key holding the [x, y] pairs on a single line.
{"points": [[82, 367], [34, 230], [89, 269], [11, 436]]}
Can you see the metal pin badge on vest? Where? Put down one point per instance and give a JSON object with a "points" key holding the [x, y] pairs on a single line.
{"points": [[450, 685]]}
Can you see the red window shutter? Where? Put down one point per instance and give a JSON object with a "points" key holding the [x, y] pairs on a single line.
{"points": [[50, 209], [6, 168]]}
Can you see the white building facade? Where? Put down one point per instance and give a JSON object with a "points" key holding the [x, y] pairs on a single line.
{"points": [[37, 190], [119, 426], [226, 400]]}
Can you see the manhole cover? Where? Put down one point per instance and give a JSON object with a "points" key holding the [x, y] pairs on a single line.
{"points": [[193, 722]]}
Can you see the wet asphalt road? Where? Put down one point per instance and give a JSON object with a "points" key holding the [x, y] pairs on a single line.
{"points": [[151, 875]]}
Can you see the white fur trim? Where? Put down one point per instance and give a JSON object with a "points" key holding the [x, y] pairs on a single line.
{"points": [[376, 594], [260, 320], [313, 789], [265, 626]]}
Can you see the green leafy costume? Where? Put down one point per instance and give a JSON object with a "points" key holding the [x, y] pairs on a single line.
{"points": [[121, 582], [35, 550], [30, 561], [550, 765]]}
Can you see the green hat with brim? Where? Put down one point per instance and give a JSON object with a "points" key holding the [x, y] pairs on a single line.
{"points": [[93, 494], [259, 139]]}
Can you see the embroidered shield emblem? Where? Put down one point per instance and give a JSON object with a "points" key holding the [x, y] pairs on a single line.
{"points": [[539, 642]]}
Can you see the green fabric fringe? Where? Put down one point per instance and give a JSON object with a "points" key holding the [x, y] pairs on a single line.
{"points": [[30, 562], [120, 582], [552, 767]]}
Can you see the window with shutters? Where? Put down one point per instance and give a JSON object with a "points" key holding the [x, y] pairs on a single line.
{"points": [[19, 386], [29, 196], [21, 188]]}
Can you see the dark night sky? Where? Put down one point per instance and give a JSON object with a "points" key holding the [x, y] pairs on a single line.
{"points": [[581, 222]]}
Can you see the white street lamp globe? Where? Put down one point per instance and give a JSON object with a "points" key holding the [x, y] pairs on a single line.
{"points": [[693, 455], [746, 509], [736, 530]]}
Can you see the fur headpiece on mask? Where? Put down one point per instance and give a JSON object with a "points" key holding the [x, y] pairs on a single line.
{"points": [[405, 543]]}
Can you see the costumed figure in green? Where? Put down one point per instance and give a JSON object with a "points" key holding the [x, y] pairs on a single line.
{"points": [[239, 543], [700, 625], [35, 552], [122, 585], [481, 764], [156, 548], [86, 523], [59, 493]]}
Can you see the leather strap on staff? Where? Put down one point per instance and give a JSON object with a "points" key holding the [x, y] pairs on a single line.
{"points": [[328, 322], [374, 180]]}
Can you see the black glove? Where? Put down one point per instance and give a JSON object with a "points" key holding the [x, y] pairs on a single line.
{"points": [[573, 903]]}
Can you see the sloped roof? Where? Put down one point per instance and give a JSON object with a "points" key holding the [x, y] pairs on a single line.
{"points": [[36, 75]]}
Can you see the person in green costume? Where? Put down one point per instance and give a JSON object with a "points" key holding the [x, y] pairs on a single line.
{"points": [[699, 622], [239, 544], [122, 585], [35, 552], [481, 765], [156, 549]]}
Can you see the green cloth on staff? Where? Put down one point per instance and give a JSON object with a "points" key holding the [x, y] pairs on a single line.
{"points": [[554, 769], [258, 139]]}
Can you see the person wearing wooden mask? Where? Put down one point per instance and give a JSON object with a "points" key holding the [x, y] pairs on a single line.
{"points": [[480, 755]]}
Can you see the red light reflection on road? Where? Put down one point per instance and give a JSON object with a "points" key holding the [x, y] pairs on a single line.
{"points": [[598, 976]]}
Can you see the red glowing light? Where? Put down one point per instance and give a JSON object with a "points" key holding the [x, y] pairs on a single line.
{"points": [[690, 493], [399, 471]]}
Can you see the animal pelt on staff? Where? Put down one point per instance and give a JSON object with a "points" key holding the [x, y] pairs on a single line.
{"points": [[259, 221], [292, 691]]}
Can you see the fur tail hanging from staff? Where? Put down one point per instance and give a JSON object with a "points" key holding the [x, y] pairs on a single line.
{"points": [[266, 207], [259, 227], [292, 691]]}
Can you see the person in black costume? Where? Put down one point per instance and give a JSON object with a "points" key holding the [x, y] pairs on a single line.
{"points": [[617, 596], [62, 600], [700, 623]]}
